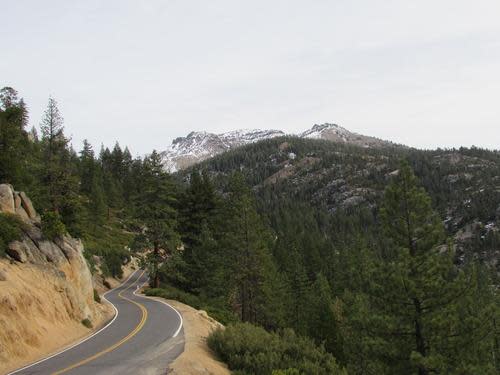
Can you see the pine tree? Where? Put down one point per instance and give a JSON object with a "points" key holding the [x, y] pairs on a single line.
{"points": [[155, 210], [8, 98], [91, 185], [299, 289], [247, 244], [87, 167], [56, 158], [415, 291], [14, 142], [197, 206], [323, 318]]}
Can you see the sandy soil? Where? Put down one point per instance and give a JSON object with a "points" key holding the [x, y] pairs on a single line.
{"points": [[197, 358], [36, 315]]}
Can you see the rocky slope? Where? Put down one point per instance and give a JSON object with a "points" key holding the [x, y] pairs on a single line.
{"points": [[199, 146], [336, 133], [46, 289]]}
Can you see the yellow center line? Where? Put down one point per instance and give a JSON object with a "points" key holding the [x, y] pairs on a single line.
{"points": [[119, 343]]}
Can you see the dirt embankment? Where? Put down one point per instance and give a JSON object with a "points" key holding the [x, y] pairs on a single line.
{"points": [[37, 316], [197, 358], [46, 290]]}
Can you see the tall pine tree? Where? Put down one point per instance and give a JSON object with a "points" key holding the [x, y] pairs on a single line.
{"points": [[155, 210], [412, 316]]}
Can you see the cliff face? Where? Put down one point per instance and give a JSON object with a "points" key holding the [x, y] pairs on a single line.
{"points": [[46, 289]]}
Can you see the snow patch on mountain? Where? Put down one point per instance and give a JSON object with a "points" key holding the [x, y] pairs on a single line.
{"points": [[201, 145], [316, 132], [198, 146]]}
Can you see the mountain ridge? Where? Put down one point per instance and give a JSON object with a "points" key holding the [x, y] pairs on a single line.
{"points": [[201, 145]]}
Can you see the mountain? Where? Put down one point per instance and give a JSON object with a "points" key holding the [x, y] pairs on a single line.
{"points": [[199, 146], [347, 181], [336, 133]]}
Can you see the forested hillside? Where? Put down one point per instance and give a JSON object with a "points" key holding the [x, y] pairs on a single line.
{"points": [[345, 259], [340, 184], [323, 258], [88, 194]]}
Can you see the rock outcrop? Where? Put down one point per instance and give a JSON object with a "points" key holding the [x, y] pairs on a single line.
{"points": [[46, 288], [7, 203], [18, 203]]}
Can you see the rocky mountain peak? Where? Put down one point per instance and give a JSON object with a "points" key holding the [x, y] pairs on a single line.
{"points": [[318, 129], [201, 145]]}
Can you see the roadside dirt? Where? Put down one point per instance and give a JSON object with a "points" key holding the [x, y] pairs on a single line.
{"points": [[197, 358]]}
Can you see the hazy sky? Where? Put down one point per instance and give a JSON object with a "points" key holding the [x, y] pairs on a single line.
{"points": [[425, 73]]}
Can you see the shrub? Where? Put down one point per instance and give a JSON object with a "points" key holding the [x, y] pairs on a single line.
{"points": [[169, 292], [87, 323], [248, 349], [90, 261], [290, 371], [52, 225], [10, 230], [97, 297], [113, 261]]}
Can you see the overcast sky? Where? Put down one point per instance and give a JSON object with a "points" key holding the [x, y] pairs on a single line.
{"points": [[425, 73]]}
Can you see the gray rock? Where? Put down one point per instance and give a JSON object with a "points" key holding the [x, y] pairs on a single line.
{"points": [[28, 205], [26, 251], [68, 246], [17, 200], [33, 252], [34, 233], [52, 252], [37, 220], [7, 199], [22, 214], [17, 251]]}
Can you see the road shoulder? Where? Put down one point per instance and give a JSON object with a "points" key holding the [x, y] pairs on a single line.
{"points": [[197, 358]]}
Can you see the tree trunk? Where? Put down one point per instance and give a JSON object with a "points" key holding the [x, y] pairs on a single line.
{"points": [[419, 337], [156, 275]]}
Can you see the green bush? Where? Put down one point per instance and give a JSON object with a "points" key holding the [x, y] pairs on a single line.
{"points": [[220, 314], [97, 297], [87, 323], [113, 261], [290, 371], [52, 225], [169, 292], [109, 242], [248, 349], [10, 230]]}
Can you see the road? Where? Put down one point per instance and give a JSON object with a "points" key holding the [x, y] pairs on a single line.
{"points": [[143, 338]]}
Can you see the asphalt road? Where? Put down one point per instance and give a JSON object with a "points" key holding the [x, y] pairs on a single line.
{"points": [[144, 337]]}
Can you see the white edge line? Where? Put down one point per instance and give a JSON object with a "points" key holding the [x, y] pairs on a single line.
{"points": [[165, 303], [86, 338]]}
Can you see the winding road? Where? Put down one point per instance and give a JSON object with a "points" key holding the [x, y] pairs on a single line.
{"points": [[143, 338]]}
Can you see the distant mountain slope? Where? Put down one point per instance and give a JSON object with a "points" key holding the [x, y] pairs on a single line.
{"points": [[199, 146], [336, 133], [347, 181]]}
